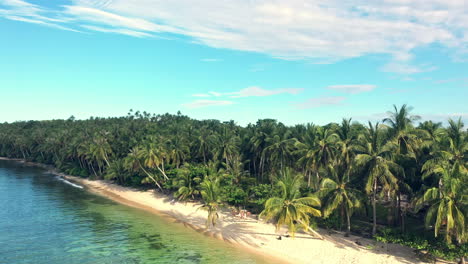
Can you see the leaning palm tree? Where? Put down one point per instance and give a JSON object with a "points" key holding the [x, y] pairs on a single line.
{"points": [[154, 155], [376, 164], [133, 162], [448, 203], [211, 195], [336, 193], [291, 208]]}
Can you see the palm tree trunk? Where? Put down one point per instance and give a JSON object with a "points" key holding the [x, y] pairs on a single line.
{"points": [[374, 214], [106, 159], [348, 221], [163, 173], [342, 215], [402, 222], [204, 157], [399, 217], [151, 177], [92, 167], [311, 230]]}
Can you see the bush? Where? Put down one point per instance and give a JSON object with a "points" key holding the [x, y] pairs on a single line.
{"points": [[435, 246]]}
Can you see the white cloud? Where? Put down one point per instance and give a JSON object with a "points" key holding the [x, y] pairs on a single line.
{"points": [[321, 101], [205, 103], [313, 30], [23, 11], [352, 88]]}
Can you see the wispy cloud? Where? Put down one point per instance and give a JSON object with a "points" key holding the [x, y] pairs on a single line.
{"points": [[300, 29], [461, 80], [23, 11], [405, 68], [201, 95], [352, 88], [252, 91], [123, 31], [206, 103], [257, 91], [321, 101], [445, 117]]}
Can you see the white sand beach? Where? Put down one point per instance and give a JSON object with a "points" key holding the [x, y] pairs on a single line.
{"points": [[256, 235]]}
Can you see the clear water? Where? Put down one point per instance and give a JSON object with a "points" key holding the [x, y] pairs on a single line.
{"points": [[45, 220]]}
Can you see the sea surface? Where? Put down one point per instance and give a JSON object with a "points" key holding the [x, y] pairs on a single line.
{"points": [[45, 219]]}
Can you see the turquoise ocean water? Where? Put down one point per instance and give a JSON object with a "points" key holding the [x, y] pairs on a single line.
{"points": [[46, 220]]}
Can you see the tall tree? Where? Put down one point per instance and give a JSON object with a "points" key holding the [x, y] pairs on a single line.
{"points": [[210, 192], [448, 203], [376, 164], [335, 192], [290, 208]]}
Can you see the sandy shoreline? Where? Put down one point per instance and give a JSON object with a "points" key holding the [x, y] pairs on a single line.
{"points": [[251, 234]]}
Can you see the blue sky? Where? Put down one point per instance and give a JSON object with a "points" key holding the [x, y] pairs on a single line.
{"points": [[296, 61]]}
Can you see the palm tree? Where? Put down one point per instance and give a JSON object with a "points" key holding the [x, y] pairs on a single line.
{"points": [[448, 203], [346, 142], [400, 119], [433, 130], [100, 151], [187, 182], [306, 149], [227, 145], [279, 150], [317, 151], [203, 141], [452, 150], [210, 192], [291, 208], [376, 164], [154, 155], [458, 145], [117, 171], [177, 150], [133, 162], [335, 192]]}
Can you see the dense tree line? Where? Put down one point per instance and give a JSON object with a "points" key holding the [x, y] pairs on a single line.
{"points": [[295, 175]]}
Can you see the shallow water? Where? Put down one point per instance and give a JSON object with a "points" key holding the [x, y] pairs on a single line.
{"points": [[46, 220]]}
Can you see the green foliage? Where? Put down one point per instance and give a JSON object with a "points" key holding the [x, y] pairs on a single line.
{"points": [[290, 208], [211, 200], [435, 246], [259, 194]]}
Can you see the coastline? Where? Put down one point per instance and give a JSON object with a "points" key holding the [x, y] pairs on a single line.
{"points": [[250, 234]]}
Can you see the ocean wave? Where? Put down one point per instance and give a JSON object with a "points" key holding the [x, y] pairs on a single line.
{"points": [[69, 183]]}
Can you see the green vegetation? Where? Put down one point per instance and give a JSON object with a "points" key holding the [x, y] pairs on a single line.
{"points": [[383, 175]]}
